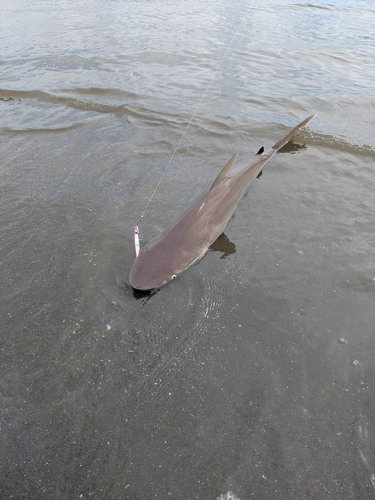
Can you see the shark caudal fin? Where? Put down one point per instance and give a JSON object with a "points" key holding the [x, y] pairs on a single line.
{"points": [[280, 143]]}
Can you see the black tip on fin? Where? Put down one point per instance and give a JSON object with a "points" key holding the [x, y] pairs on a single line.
{"points": [[261, 151], [260, 173]]}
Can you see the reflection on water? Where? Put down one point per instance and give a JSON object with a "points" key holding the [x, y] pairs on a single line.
{"points": [[143, 297], [223, 245], [232, 381], [227, 496], [292, 147]]}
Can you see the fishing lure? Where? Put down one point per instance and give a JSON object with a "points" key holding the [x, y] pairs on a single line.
{"points": [[136, 240]]}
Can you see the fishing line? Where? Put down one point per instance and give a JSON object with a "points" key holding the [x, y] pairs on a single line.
{"points": [[136, 229]]}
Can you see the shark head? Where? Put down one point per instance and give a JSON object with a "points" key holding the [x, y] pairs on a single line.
{"points": [[153, 269]]}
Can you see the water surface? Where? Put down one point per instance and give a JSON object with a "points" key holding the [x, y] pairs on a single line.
{"points": [[252, 374]]}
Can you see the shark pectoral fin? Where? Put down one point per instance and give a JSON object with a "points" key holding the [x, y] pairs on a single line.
{"points": [[224, 172]]}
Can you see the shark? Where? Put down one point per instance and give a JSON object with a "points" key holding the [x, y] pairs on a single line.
{"points": [[186, 240]]}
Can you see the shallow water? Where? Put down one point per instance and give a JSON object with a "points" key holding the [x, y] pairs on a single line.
{"points": [[252, 374]]}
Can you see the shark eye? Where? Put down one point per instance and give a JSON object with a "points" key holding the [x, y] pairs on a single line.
{"points": [[173, 276]]}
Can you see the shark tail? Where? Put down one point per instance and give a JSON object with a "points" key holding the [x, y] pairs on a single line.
{"points": [[287, 137]]}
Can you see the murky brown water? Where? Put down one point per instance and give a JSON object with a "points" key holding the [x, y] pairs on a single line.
{"points": [[252, 373]]}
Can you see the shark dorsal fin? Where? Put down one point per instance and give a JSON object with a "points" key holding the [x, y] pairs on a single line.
{"points": [[261, 151], [224, 172]]}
